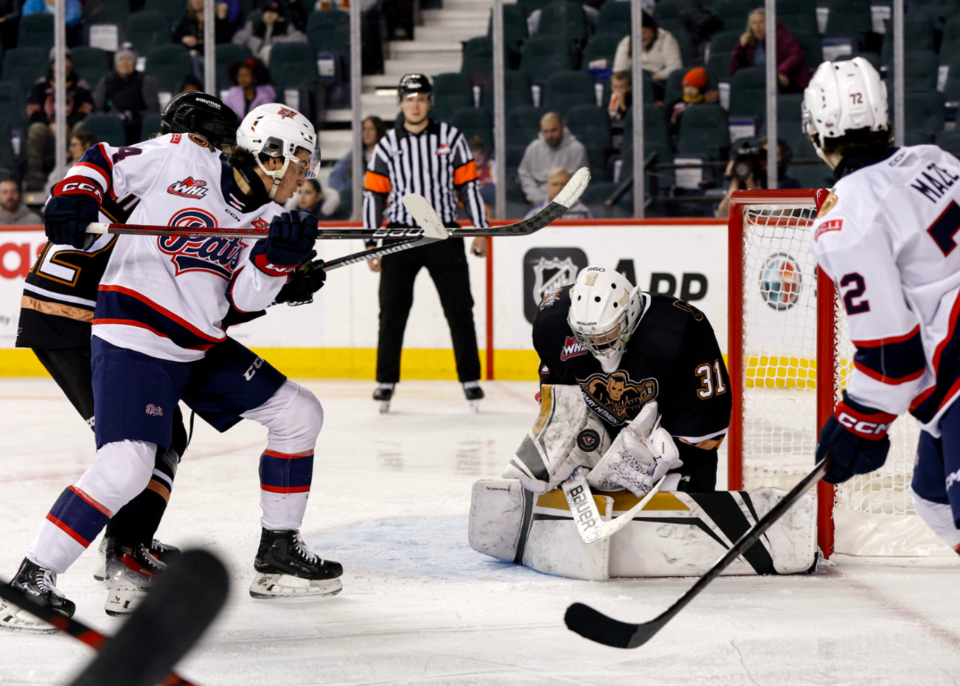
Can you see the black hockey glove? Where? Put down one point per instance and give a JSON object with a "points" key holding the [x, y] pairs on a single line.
{"points": [[66, 217], [306, 280], [289, 243], [856, 437]]}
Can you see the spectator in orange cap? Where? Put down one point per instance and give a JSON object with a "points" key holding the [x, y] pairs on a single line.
{"points": [[694, 93]]}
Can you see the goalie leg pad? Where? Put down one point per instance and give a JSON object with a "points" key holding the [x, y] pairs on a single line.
{"points": [[566, 435]]}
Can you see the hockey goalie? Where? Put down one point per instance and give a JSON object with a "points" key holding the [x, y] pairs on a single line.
{"points": [[634, 405]]}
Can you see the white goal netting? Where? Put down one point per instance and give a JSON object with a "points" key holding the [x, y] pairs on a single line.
{"points": [[873, 513]]}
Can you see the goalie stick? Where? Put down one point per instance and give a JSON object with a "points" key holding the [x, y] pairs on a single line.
{"points": [[586, 516], [553, 211], [600, 628]]}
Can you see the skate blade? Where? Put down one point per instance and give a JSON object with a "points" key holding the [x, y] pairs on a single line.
{"points": [[121, 601], [272, 586], [384, 406], [474, 406], [12, 618]]}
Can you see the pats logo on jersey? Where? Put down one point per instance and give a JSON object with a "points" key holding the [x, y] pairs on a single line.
{"points": [[217, 256], [781, 281], [571, 348], [189, 188]]}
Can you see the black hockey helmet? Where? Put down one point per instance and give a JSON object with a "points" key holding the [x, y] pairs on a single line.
{"points": [[414, 83], [201, 114]]}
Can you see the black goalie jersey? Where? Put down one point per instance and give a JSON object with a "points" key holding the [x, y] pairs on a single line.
{"points": [[672, 357]]}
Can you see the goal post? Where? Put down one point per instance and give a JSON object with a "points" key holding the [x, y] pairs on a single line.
{"points": [[789, 356]]}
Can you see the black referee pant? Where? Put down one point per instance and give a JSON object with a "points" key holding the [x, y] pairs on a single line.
{"points": [[447, 264]]}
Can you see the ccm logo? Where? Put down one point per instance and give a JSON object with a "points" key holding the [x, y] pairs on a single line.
{"points": [[862, 427], [82, 187]]}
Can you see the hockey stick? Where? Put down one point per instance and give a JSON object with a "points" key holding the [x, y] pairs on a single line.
{"points": [[554, 210], [600, 628], [69, 625], [586, 516], [168, 623]]}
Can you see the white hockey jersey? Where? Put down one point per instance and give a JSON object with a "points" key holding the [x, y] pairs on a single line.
{"points": [[888, 240], [167, 296]]}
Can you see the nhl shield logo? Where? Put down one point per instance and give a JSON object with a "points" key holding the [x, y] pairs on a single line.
{"points": [[547, 270]]}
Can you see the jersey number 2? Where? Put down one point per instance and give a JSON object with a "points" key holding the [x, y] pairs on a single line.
{"points": [[853, 300]]}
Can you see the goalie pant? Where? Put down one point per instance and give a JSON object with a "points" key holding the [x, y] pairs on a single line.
{"points": [[885, 236], [672, 357], [159, 312]]}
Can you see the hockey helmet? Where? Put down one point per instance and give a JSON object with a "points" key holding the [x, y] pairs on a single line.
{"points": [[279, 131], [203, 115], [412, 84], [844, 97], [604, 310]]}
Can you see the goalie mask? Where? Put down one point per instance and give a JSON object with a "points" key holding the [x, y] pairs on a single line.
{"points": [[844, 98], [279, 131], [604, 311]]}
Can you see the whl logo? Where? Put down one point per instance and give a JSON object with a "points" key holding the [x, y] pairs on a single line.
{"points": [[189, 188], [571, 348]]}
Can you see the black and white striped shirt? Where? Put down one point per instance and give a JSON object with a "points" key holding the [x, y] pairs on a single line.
{"points": [[436, 163]]}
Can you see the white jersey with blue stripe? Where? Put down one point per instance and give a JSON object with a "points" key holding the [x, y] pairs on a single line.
{"points": [[167, 296], [887, 237]]}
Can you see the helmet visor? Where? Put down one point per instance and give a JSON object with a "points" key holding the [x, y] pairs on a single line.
{"points": [[312, 167]]}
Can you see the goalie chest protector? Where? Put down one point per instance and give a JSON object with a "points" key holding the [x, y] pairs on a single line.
{"points": [[672, 357]]}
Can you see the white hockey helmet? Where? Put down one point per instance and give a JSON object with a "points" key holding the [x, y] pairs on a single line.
{"points": [[843, 97], [604, 310], [278, 131]]}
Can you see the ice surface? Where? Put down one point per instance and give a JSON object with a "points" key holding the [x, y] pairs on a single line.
{"points": [[390, 499]]}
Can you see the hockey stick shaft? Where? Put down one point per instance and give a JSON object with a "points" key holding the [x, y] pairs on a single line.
{"points": [[69, 625], [554, 210], [600, 628]]}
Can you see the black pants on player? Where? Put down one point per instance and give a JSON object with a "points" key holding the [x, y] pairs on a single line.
{"points": [[447, 264], [138, 520]]}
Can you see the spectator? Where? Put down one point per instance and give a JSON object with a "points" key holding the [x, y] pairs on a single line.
{"points": [[485, 170], [792, 70], [190, 29], [12, 213], [190, 83], [73, 9], [127, 92], [251, 87], [9, 23], [272, 28], [554, 147], [661, 52], [757, 176], [41, 136], [621, 95], [557, 178], [294, 11], [341, 178], [321, 204], [694, 93], [80, 140]]}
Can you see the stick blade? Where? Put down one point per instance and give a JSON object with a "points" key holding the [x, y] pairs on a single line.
{"points": [[426, 216], [574, 189], [599, 628]]}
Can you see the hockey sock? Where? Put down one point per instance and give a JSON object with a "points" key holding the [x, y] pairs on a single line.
{"points": [[137, 521], [119, 473]]}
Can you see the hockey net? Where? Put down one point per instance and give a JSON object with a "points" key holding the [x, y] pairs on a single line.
{"points": [[789, 359]]}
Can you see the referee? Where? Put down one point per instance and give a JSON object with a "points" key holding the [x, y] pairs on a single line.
{"points": [[421, 155]]}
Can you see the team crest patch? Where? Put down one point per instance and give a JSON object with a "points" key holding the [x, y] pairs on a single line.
{"points": [[588, 440], [286, 112], [218, 256], [550, 298], [189, 188], [154, 410], [827, 205], [571, 348], [616, 397]]}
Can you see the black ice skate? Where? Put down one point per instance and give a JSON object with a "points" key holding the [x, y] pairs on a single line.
{"points": [[161, 551], [42, 585], [287, 569], [383, 395], [474, 395], [131, 573]]}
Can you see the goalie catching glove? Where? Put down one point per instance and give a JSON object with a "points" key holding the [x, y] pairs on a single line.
{"points": [[639, 456]]}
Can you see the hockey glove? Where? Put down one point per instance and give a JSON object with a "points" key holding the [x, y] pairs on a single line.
{"points": [[306, 280], [289, 243], [856, 437], [66, 217]]}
